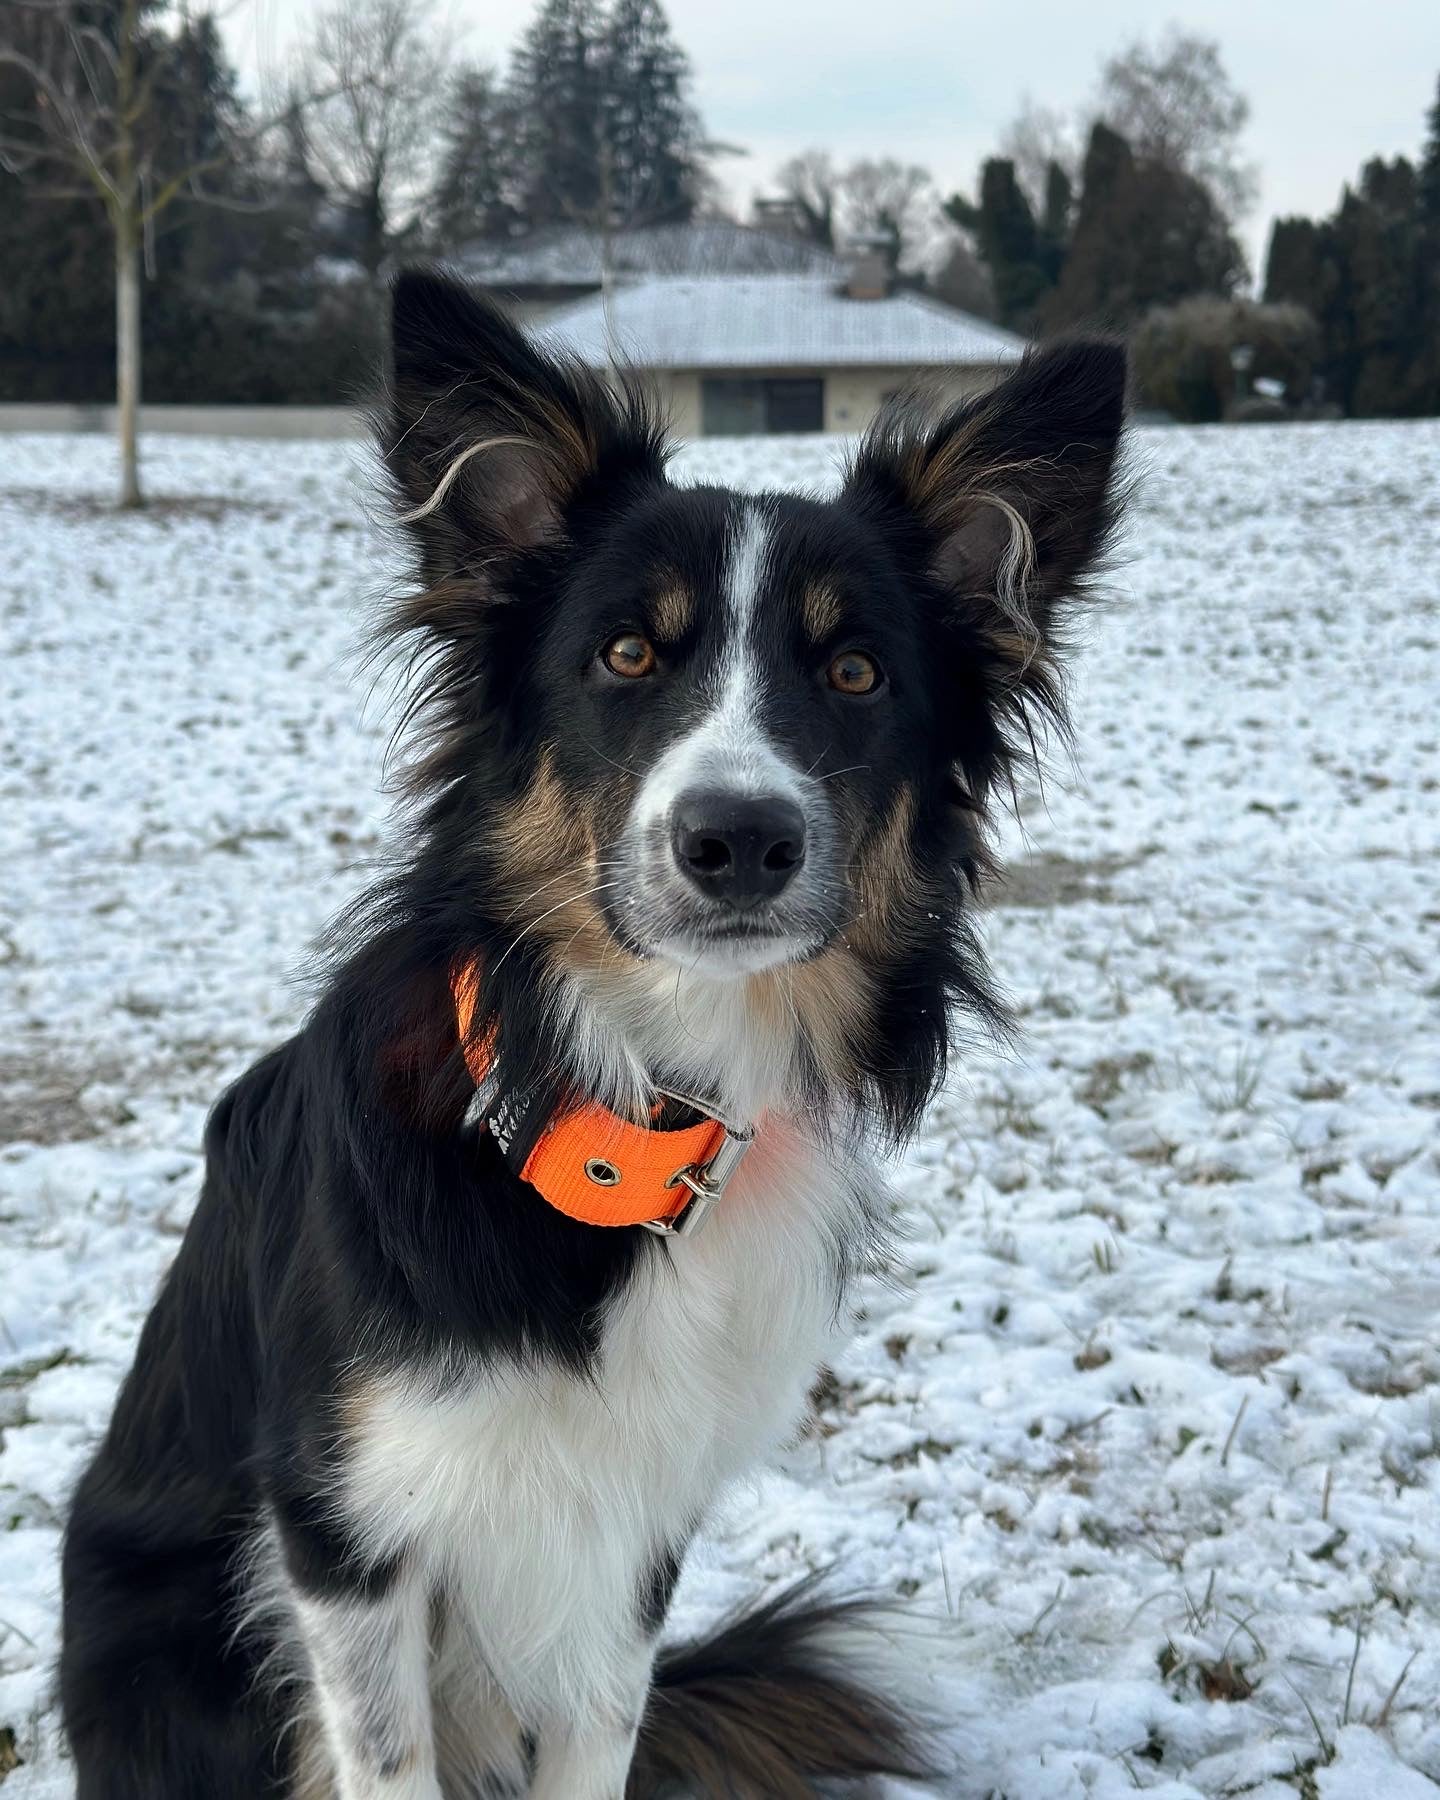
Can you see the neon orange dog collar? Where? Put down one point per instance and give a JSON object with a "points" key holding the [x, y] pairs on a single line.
{"points": [[595, 1166]]}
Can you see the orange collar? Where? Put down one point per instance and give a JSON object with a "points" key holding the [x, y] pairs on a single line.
{"points": [[595, 1166]]}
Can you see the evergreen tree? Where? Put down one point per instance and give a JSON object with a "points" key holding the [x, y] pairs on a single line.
{"points": [[1294, 263], [557, 85], [1059, 197], [1430, 170], [1370, 276], [1009, 242], [1146, 234], [1376, 244], [474, 191], [1428, 249], [649, 134]]}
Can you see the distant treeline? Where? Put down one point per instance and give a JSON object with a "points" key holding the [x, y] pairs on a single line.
{"points": [[1141, 238], [264, 239], [1370, 278], [262, 267]]}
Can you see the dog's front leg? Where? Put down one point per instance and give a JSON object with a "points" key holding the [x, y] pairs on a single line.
{"points": [[368, 1651], [585, 1754]]}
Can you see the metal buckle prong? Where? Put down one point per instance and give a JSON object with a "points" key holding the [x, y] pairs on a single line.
{"points": [[706, 1181]]}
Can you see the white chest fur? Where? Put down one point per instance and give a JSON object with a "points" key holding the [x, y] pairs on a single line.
{"points": [[535, 1500]]}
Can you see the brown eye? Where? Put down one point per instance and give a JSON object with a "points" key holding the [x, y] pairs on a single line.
{"points": [[852, 672], [630, 655]]}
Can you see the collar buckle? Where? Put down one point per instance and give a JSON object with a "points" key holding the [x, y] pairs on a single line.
{"points": [[706, 1181]]}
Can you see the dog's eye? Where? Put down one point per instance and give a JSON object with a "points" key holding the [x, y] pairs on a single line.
{"points": [[630, 655], [852, 672]]}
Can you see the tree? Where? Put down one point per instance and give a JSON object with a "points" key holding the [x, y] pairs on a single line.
{"points": [[1370, 275], [1009, 242], [1055, 219], [100, 109], [1175, 105], [812, 183], [474, 193], [558, 89], [1146, 234], [650, 138], [1039, 142], [1295, 265], [874, 197], [1430, 168], [381, 69], [963, 280], [881, 197], [1428, 246]]}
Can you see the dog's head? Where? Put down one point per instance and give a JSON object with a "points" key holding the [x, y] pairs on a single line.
{"points": [[726, 734]]}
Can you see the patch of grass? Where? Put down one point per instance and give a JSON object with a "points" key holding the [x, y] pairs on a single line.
{"points": [[1107, 1078], [10, 1757]]}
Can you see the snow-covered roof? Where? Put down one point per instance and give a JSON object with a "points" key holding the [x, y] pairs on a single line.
{"points": [[772, 322], [574, 256]]}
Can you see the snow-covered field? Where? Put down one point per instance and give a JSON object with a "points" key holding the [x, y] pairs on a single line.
{"points": [[1151, 1421]]}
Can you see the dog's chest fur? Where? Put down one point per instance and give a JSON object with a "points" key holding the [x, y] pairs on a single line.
{"points": [[539, 1501]]}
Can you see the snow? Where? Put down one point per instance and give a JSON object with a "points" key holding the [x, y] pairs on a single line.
{"points": [[771, 322], [1145, 1434]]}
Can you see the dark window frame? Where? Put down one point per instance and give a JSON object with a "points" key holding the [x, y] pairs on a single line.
{"points": [[761, 405]]}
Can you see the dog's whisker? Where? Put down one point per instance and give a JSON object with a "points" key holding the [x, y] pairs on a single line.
{"points": [[569, 900]]}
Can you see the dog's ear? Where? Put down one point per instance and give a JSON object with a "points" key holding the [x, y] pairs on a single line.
{"points": [[1006, 501], [487, 439]]}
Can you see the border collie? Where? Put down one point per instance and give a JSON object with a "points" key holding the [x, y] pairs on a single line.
{"points": [[537, 1233]]}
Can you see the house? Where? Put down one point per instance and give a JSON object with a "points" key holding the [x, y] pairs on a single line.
{"points": [[534, 274], [782, 351]]}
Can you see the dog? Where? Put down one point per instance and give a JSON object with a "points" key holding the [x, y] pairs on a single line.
{"points": [[538, 1232]]}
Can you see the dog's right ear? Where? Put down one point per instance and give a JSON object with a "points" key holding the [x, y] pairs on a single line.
{"points": [[488, 440]]}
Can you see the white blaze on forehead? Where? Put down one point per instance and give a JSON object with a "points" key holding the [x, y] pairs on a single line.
{"points": [[727, 749], [748, 548]]}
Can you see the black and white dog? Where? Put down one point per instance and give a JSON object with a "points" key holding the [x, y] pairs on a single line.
{"points": [[536, 1234]]}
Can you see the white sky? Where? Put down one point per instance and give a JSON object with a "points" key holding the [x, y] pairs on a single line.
{"points": [[1330, 82]]}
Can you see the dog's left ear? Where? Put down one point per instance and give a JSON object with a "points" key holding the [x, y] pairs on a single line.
{"points": [[489, 439], [1007, 501]]}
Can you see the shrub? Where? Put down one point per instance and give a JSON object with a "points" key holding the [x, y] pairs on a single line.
{"points": [[1182, 355]]}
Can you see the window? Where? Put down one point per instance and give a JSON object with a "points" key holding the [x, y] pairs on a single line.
{"points": [[756, 405]]}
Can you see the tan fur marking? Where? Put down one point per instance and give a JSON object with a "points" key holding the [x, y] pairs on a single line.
{"points": [[672, 610], [833, 998], [544, 831], [885, 880], [821, 610], [550, 845]]}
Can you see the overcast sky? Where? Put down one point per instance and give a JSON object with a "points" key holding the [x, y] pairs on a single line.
{"points": [[1330, 81]]}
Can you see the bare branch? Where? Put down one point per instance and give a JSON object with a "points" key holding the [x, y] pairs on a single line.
{"points": [[70, 134]]}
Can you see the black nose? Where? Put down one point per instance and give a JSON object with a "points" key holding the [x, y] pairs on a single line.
{"points": [[738, 850]]}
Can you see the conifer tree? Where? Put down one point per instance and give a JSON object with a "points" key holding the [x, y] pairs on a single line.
{"points": [[473, 195], [558, 90], [649, 133], [1008, 240]]}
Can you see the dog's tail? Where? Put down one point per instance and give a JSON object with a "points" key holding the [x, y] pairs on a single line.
{"points": [[773, 1703]]}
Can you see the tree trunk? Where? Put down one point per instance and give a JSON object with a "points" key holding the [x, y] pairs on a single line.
{"points": [[127, 356]]}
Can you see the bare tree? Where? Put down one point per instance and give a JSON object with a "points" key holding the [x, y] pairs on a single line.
{"points": [[1037, 138], [881, 196], [92, 114], [1174, 104], [383, 71], [876, 196], [812, 182]]}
